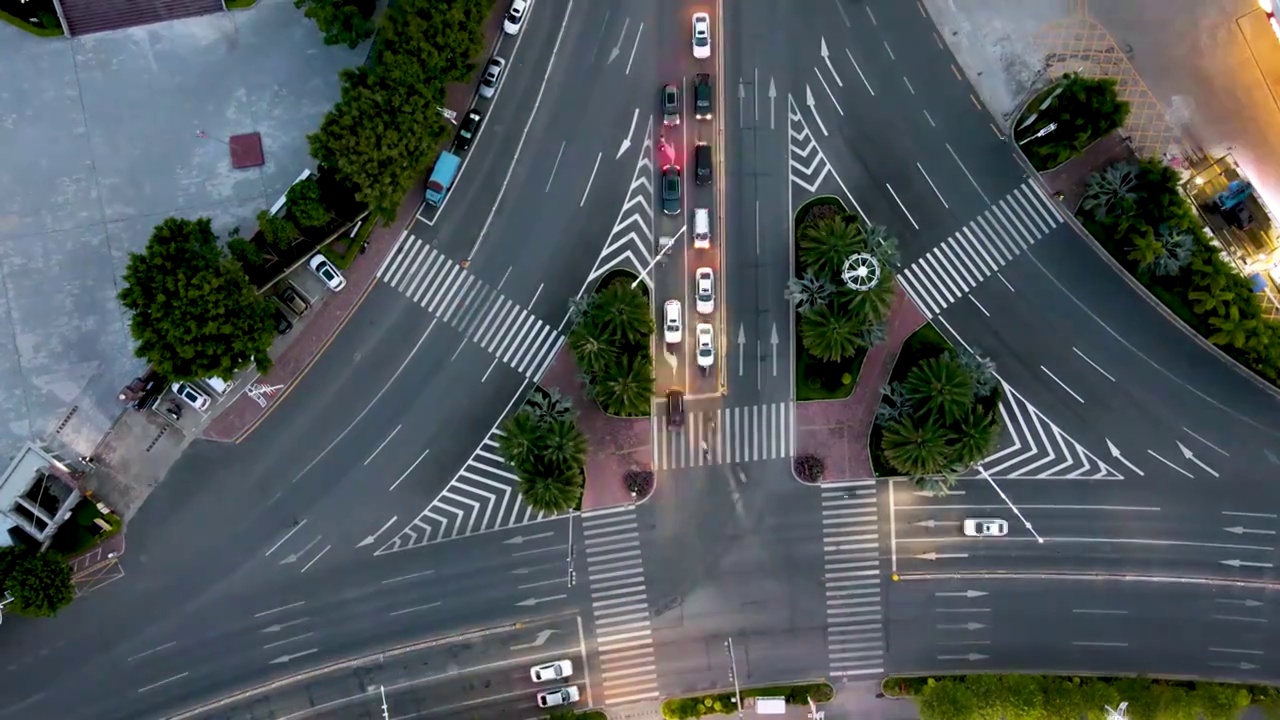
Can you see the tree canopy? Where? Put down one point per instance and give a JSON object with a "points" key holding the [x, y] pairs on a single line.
{"points": [[40, 583], [548, 451], [610, 342], [1081, 110], [343, 22], [194, 312], [385, 130]]}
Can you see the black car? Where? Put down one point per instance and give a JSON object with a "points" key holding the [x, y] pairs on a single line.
{"points": [[675, 409], [283, 323], [671, 190], [467, 130], [702, 164], [702, 96]]}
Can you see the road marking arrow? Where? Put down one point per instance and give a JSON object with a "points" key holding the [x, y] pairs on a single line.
{"points": [[1240, 665], [535, 601], [742, 96], [626, 141], [966, 626], [966, 593], [1241, 530], [294, 557], [520, 539], [941, 556], [826, 56], [671, 358], [742, 341], [369, 540], [1186, 453], [773, 95], [617, 49], [773, 340], [1115, 453], [287, 658], [542, 638], [1246, 603], [935, 523], [1245, 563], [970, 657], [808, 100], [280, 626]]}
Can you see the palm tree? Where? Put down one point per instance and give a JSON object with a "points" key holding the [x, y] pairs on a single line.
{"points": [[870, 305], [1175, 245], [935, 485], [550, 406], [873, 335], [917, 447], [519, 438], [564, 445], [1233, 330], [940, 386], [592, 352], [825, 245], [829, 335], [1112, 186], [808, 292], [552, 494], [626, 388], [621, 314], [894, 404], [884, 246], [976, 435], [981, 369], [1211, 300]]}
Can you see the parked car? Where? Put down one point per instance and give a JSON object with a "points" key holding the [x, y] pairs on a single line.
{"points": [[327, 272], [702, 96], [559, 696], [702, 164], [192, 395], [670, 105], [283, 323], [293, 300], [675, 409], [701, 228], [986, 527], [558, 670], [672, 322], [491, 77], [671, 190], [701, 36], [704, 287], [514, 20], [706, 345], [467, 130]]}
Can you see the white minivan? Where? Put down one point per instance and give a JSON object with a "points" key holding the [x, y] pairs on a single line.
{"points": [[218, 385], [701, 228]]}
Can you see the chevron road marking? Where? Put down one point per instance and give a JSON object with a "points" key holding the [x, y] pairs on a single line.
{"points": [[1040, 450], [808, 167], [851, 576], [484, 496], [630, 243]]}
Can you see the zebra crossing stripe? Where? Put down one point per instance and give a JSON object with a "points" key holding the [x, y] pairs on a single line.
{"points": [[851, 575]]}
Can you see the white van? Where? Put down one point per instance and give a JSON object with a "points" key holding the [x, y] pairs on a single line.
{"points": [[701, 228], [218, 385]]}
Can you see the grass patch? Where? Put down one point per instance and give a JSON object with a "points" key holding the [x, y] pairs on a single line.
{"points": [[240, 4], [818, 380], [584, 715], [723, 703], [37, 17], [924, 344], [343, 251]]}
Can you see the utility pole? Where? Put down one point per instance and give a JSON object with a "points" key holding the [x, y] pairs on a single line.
{"points": [[570, 558], [733, 675]]}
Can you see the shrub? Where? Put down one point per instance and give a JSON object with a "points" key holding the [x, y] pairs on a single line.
{"points": [[638, 482], [846, 378], [820, 212], [810, 468]]}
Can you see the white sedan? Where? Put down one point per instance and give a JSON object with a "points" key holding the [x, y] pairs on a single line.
{"points": [[701, 36], [326, 271], [559, 696], [985, 527], [706, 345], [672, 326], [514, 19], [557, 670], [705, 291]]}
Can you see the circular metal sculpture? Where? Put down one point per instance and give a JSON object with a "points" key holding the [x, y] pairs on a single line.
{"points": [[861, 271]]}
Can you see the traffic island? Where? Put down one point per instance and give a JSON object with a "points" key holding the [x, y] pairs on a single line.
{"points": [[726, 703]]}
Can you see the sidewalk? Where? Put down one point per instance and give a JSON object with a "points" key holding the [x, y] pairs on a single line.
{"points": [[615, 445], [1072, 177], [837, 430]]}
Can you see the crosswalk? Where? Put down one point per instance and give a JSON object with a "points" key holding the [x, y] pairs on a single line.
{"points": [[962, 261], [502, 327], [1038, 449], [730, 435], [620, 606], [630, 244], [851, 575], [484, 496]]}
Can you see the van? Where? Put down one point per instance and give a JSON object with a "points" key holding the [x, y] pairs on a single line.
{"points": [[702, 164], [701, 228], [218, 385]]}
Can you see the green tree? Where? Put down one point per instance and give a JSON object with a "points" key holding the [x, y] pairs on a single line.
{"points": [[304, 204], [946, 700], [248, 254], [626, 388], [550, 406], [825, 245], [935, 485], [620, 313], [917, 446], [277, 230], [941, 386], [1233, 330], [808, 292], [883, 246], [552, 493], [40, 583], [1166, 252], [592, 352], [1082, 110], [343, 22], [519, 441], [564, 444], [829, 335], [1212, 299], [195, 314], [1112, 188], [871, 305], [976, 433]]}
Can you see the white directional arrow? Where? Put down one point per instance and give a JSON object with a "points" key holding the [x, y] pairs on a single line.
{"points": [[773, 340], [1241, 530], [1240, 665], [966, 594], [535, 601], [966, 626], [970, 656], [1186, 453], [369, 540], [542, 638], [1246, 603], [294, 656], [1115, 453], [742, 341], [826, 56], [626, 141], [520, 539], [294, 557], [935, 523], [742, 96], [941, 556], [926, 493], [808, 100], [617, 49], [1245, 563], [280, 626], [773, 94], [671, 358]]}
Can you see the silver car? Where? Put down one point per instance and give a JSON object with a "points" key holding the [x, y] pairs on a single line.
{"points": [[491, 77]]}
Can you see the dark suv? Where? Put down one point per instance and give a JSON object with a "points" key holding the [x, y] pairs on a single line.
{"points": [[702, 96], [671, 190], [702, 164], [675, 409]]}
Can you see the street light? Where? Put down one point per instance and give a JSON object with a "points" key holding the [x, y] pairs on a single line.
{"points": [[733, 675], [385, 714], [983, 471]]}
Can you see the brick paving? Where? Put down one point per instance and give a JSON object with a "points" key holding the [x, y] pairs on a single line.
{"points": [[837, 430], [1072, 177], [616, 444]]}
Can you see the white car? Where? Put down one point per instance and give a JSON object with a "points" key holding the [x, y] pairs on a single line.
{"points": [[701, 228], [701, 36], [326, 271], [985, 527], [672, 322], [514, 20], [491, 77], [704, 290], [192, 395], [706, 345], [557, 670], [559, 696]]}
